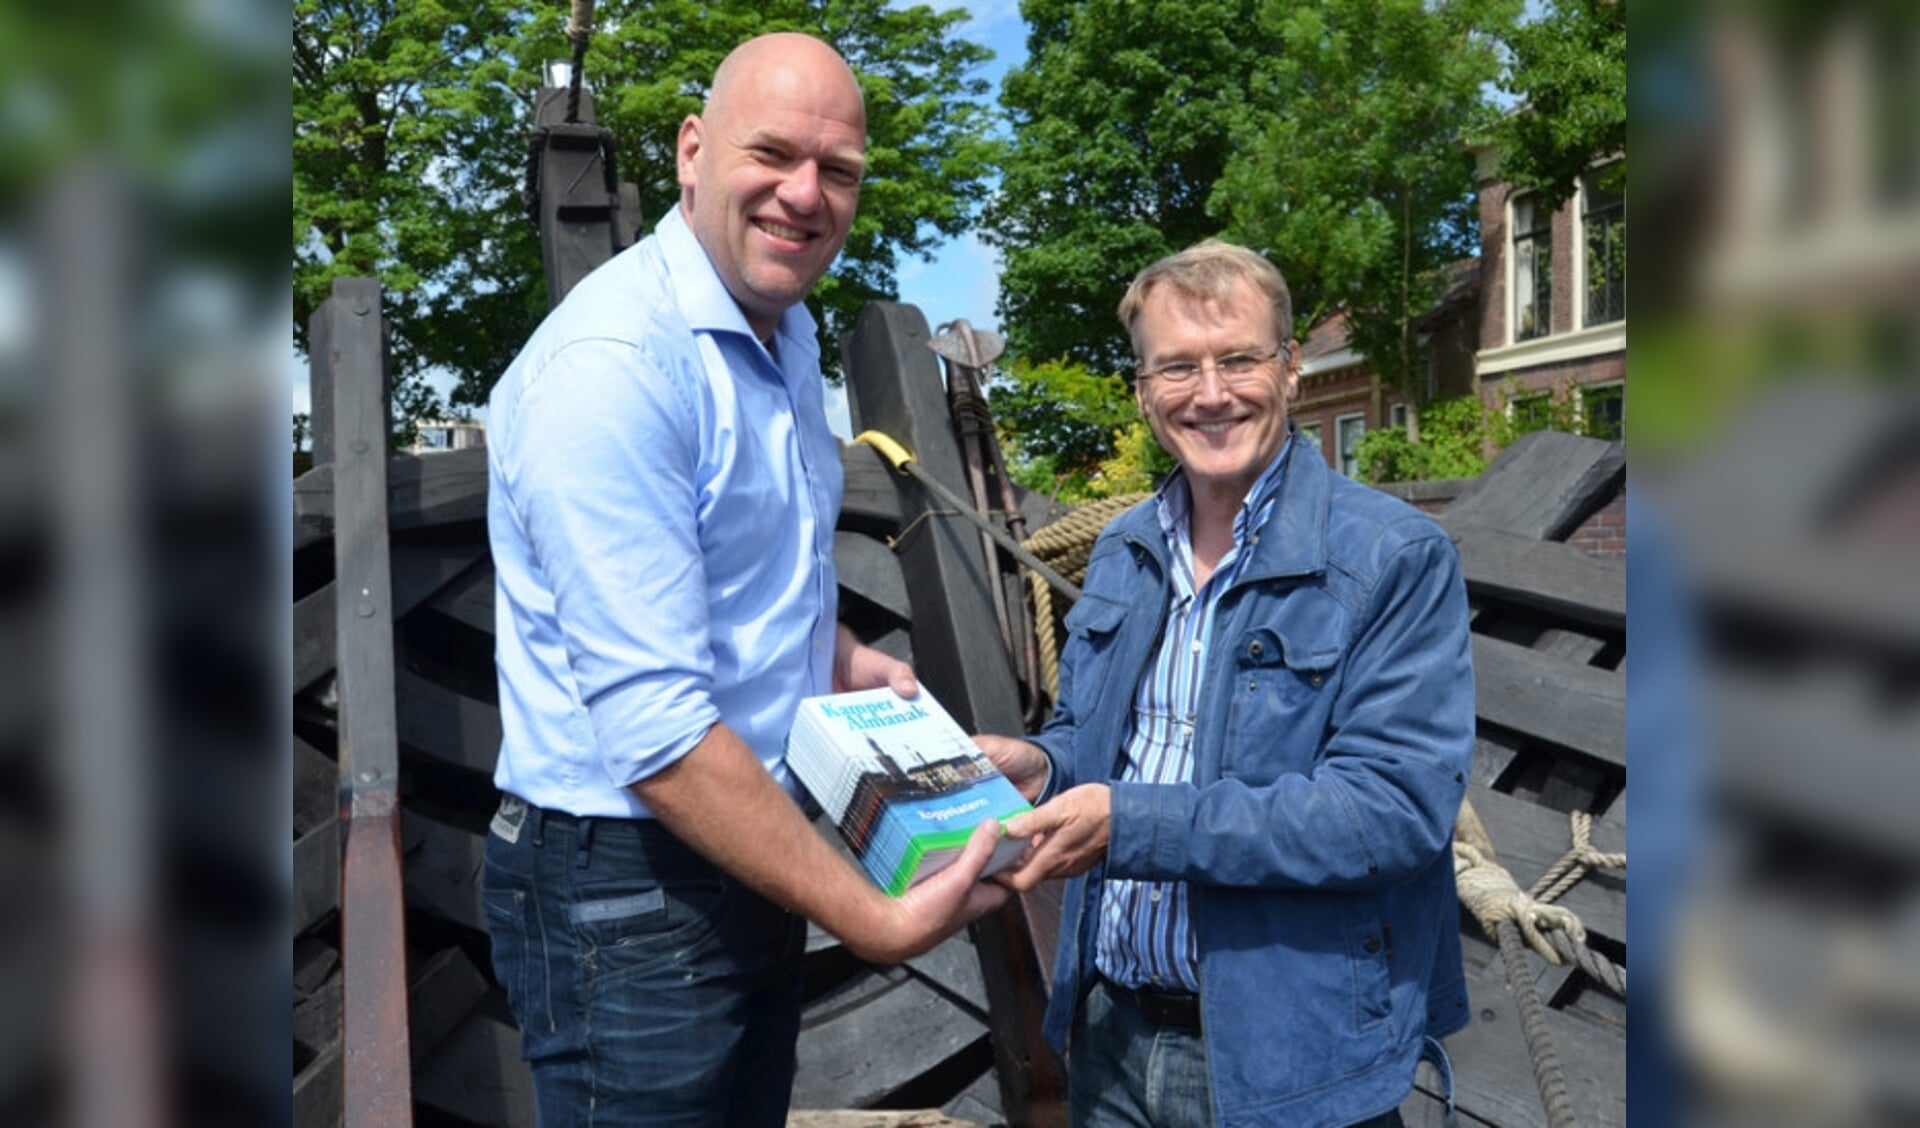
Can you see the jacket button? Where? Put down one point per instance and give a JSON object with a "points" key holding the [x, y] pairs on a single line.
{"points": [[1256, 650], [1372, 945], [1315, 679]]}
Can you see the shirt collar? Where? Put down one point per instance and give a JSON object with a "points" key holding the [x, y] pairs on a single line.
{"points": [[703, 297], [1175, 500]]}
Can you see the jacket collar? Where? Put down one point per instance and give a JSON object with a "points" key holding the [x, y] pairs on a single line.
{"points": [[1294, 540]]}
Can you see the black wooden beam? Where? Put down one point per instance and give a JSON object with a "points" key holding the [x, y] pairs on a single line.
{"points": [[1542, 487], [1557, 579], [448, 726], [1579, 707], [419, 570], [378, 1090], [434, 489], [894, 386], [871, 500]]}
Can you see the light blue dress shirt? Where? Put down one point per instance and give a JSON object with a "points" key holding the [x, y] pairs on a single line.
{"points": [[663, 491], [1145, 935]]}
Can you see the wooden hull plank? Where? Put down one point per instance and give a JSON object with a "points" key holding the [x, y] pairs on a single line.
{"points": [[1541, 487], [1579, 707]]}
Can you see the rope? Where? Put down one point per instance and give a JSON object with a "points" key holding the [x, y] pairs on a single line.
{"points": [[1508, 914], [1525, 989], [1574, 864], [1065, 544], [1488, 891]]}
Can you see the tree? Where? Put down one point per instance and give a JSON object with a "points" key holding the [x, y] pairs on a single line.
{"points": [[1071, 433], [1355, 178], [1570, 71], [1327, 136], [411, 125], [403, 170], [1123, 119]]}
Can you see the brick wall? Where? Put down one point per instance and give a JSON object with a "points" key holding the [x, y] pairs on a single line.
{"points": [[1493, 272], [1605, 533], [1587, 370]]}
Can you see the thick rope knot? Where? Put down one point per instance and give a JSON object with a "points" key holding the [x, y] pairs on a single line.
{"points": [[1576, 862], [1490, 894]]}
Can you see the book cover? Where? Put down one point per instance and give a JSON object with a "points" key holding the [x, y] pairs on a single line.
{"points": [[901, 780]]}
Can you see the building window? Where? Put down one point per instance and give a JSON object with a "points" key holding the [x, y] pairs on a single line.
{"points": [[1603, 410], [1531, 412], [1311, 433], [1397, 416], [1348, 429], [1532, 270], [1604, 220]]}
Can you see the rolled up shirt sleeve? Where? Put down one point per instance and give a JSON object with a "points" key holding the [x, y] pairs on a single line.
{"points": [[603, 477]]}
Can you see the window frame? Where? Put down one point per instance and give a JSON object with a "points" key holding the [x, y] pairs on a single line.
{"points": [[1614, 215], [1539, 237], [1343, 459], [1587, 390]]}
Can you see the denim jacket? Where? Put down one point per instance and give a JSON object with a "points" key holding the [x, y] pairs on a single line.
{"points": [[1332, 744]]}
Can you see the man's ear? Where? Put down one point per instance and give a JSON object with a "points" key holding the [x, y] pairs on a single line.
{"points": [[1291, 371], [688, 148]]}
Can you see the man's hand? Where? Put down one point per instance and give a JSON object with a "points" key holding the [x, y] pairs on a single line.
{"points": [[859, 666], [1022, 762], [932, 910], [1069, 835]]}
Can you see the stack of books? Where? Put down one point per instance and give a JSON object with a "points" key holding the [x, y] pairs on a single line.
{"points": [[902, 781]]}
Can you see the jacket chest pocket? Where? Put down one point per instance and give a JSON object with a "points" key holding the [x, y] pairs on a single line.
{"points": [[1281, 697], [1093, 624]]}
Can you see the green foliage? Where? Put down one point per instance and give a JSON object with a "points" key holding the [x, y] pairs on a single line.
{"points": [[1329, 136], [1059, 411], [1071, 433], [411, 120], [1354, 178], [1458, 437], [1570, 71], [1453, 435], [1124, 117]]}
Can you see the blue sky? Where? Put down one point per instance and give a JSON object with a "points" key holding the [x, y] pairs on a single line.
{"points": [[963, 280]]}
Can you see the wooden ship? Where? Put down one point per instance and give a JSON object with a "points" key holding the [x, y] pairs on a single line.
{"points": [[396, 1016]]}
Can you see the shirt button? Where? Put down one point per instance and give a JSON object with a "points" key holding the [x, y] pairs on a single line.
{"points": [[1256, 650], [1196, 646], [1154, 896]]}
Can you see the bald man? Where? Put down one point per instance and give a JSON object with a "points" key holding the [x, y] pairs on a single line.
{"points": [[663, 495]]}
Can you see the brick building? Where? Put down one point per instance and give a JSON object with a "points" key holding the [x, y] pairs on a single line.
{"points": [[1540, 312]]}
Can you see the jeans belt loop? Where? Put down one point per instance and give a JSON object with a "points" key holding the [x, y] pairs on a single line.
{"points": [[536, 825], [584, 854]]}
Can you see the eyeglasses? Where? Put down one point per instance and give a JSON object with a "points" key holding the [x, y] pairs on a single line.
{"points": [[1234, 368]]}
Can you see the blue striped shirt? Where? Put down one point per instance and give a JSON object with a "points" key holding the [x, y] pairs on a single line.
{"points": [[1145, 933]]}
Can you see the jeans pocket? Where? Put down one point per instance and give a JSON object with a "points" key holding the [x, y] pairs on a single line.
{"points": [[629, 926], [507, 932]]}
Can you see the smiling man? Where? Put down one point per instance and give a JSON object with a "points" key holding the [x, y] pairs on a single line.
{"points": [[1262, 737], [663, 492]]}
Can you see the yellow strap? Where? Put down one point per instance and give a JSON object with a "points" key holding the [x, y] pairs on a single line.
{"points": [[890, 450]]}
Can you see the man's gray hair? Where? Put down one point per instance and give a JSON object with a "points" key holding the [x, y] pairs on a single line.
{"points": [[1207, 272]]}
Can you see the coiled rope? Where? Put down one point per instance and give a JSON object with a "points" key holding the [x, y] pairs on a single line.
{"points": [[1065, 545]]}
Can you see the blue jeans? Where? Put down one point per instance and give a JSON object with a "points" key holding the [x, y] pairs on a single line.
{"points": [[1124, 1071], [649, 986]]}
